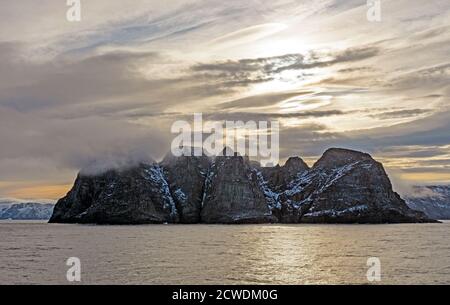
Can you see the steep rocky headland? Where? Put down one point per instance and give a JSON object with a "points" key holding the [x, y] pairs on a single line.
{"points": [[343, 186]]}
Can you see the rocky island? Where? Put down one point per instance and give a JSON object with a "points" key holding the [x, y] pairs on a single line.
{"points": [[343, 186]]}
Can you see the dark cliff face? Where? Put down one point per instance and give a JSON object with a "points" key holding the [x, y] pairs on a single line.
{"points": [[136, 195], [233, 195], [343, 186], [352, 187], [279, 177], [186, 176]]}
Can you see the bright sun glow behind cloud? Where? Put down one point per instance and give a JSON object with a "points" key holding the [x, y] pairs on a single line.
{"points": [[75, 93]]}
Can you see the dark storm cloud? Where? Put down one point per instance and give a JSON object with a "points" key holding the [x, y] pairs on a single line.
{"points": [[348, 55], [246, 71], [250, 65]]}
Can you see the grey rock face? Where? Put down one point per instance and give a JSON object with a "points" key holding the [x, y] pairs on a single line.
{"points": [[344, 186], [275, 181], [186, 176], [136, 195], [233, 195], [279, 177]]}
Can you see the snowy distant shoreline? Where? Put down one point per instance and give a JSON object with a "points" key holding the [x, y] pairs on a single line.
{"points": [[13, 210]]}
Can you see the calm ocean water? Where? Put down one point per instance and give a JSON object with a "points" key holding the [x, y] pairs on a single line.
{"points": [[36, 253]]}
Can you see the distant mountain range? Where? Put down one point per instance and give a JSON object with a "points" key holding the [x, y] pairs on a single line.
{"points": [[432, 200], [25, 210], [343, 186]]}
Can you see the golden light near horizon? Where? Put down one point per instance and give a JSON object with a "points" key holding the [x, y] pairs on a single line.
{"points": [[41, 192], [112, 84]]}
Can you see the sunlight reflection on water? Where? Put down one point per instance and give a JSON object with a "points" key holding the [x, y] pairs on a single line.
{"points": [[35, 252]]}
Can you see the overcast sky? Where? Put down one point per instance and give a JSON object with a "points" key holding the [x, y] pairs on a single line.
{"points": [[107, 88]]}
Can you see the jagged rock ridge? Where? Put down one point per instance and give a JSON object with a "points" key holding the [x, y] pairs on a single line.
{"points": [[344, 186]]}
